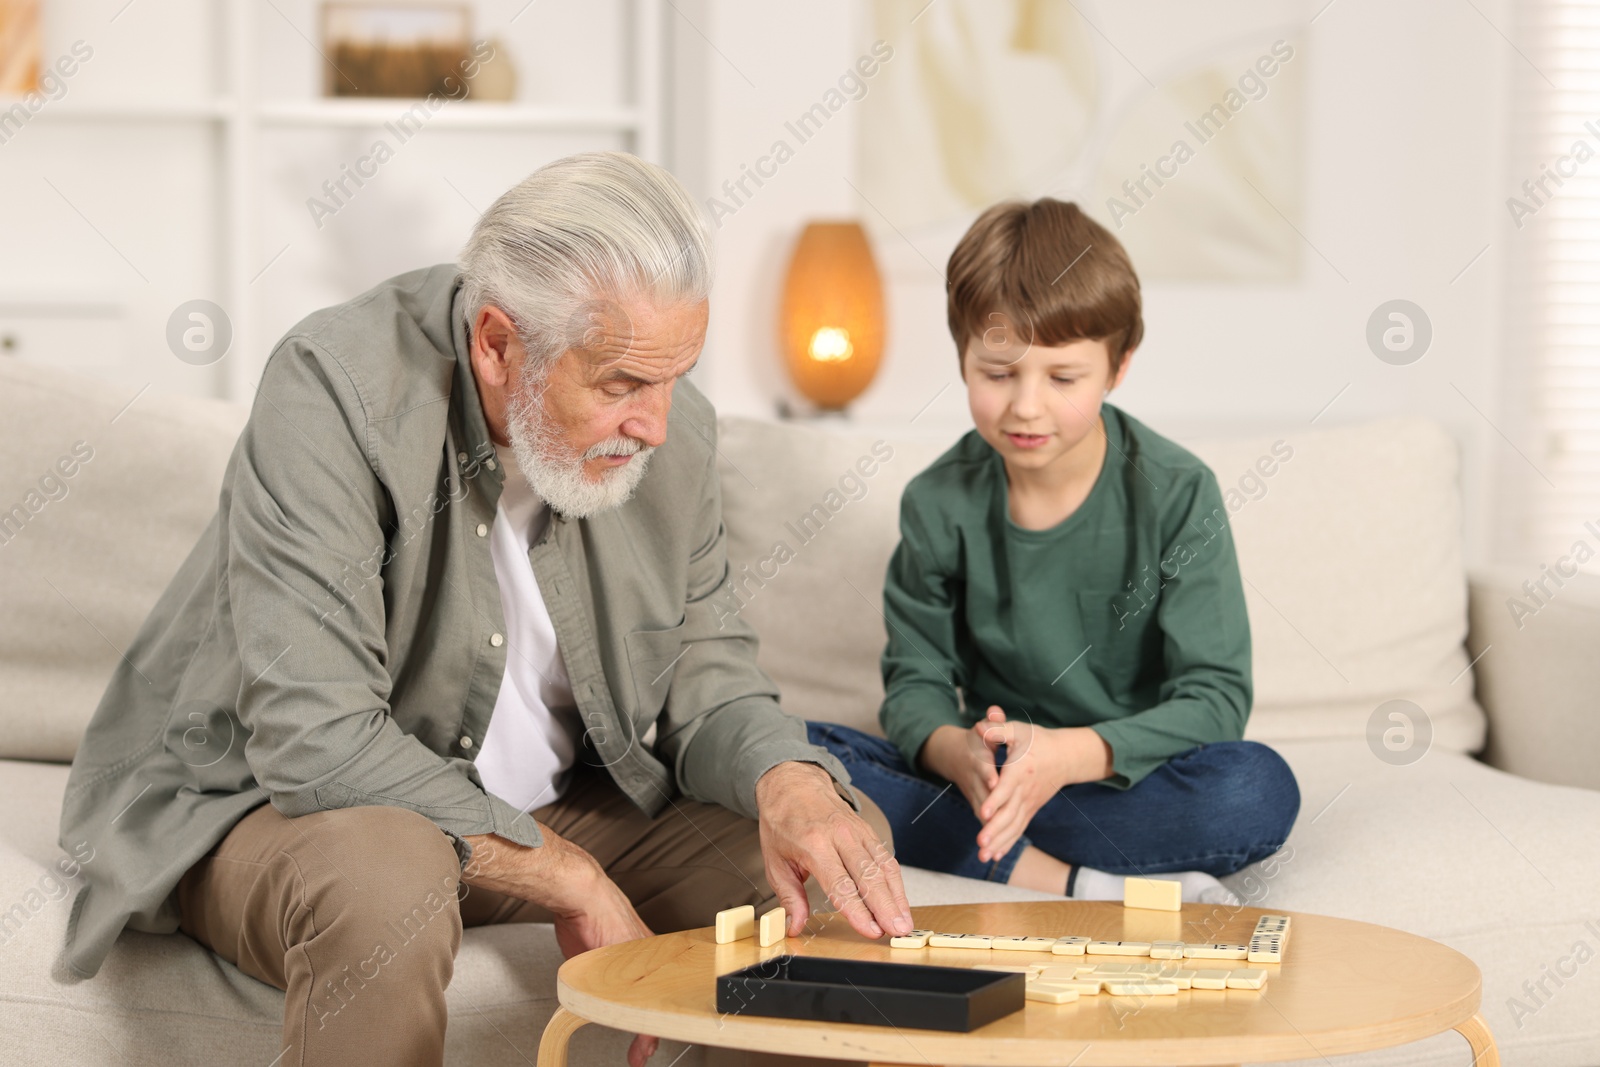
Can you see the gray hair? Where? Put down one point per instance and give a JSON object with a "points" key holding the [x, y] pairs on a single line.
{"points": [[556, 250]]}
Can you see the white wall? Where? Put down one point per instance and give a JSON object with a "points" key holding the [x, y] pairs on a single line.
{"points": [[114, 215], [1405, 183], [116, 195]]}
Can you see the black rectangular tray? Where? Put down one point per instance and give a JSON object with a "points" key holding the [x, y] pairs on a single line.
{"points": [[877, 994]]}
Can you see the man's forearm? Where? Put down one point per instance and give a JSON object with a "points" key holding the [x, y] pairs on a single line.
{"points": [[557, 874], [788, 775]]}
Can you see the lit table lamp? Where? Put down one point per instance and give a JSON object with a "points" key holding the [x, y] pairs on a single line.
{"points": [[832, 314]]}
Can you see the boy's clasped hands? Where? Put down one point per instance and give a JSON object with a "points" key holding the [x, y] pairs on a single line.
{"points": [[1039, 761]]}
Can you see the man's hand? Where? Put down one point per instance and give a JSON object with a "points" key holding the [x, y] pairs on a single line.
{"points": [[606, 919], [590, 911], [1039, 762], [808, 829]]}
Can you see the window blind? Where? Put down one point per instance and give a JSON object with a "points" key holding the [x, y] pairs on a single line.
{"points": [[1554, 276]]}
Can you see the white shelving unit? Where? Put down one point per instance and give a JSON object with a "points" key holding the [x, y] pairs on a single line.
{"points": [[242, 114], [476, 116], [249, 115], [175, 111]]}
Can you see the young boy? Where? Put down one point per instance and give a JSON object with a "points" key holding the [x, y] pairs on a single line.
{"points": [[1072, 573]]}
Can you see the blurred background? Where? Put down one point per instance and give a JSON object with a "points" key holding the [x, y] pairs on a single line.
{"points": [[1341, 211]]}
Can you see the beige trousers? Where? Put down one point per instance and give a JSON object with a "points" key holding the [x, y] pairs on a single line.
{"points": [[356, 913]]}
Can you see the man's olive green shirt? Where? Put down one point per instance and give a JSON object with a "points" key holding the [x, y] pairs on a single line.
{"points": [[336, 636]]}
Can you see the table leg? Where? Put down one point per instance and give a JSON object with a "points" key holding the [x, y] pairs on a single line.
{"points": [[1476, 1031], [557, 1032]]}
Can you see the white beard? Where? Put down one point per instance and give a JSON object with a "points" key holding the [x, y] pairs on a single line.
{"points": [[556, 472]]}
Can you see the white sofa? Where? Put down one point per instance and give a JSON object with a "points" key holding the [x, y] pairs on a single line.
{"points": [[1357, 596]]}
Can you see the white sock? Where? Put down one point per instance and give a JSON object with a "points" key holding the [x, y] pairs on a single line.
{"points": [[1198, 887]]}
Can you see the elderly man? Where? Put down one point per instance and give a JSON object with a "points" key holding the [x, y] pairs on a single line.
{"points": [[447, 654]]}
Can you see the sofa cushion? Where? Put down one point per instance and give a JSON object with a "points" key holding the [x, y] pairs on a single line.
{"points": [[808, 576], [1496, 866], [1354, 576], [1350, 551], [164, 999], [84, 556]]}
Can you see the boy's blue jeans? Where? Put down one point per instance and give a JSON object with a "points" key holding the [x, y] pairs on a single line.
{"points": [[1215, 808]]}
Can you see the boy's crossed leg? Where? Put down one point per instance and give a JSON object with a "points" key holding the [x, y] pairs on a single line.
{"points": [[1212, 810]]}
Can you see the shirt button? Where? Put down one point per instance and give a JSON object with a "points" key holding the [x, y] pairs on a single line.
{"points": [[461, 457], [489, 463], [483, 531], [496, 640], [466, 742]]}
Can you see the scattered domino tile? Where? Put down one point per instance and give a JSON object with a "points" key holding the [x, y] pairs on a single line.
{"points": [[736, 924], [1247, 978], [1183, 979], [1120, 948], [1266, 944], [1166, 950], [915, 939], [1070, 946], [1007, 968], [1087, 987], [1155, 894], [772, 927], [1058, 974], [1265, 950], [958, 941], [1145, 968], [1216, 952], [1111, 968], [1050, 993], [1022, 944], [1141, 989], [1209, 979]]}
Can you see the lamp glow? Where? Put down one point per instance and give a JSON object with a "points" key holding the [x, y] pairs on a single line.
{"points": [[831, 344]]}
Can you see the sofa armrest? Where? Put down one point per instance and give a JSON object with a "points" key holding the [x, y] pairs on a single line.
{"points": [[1538, 677]]}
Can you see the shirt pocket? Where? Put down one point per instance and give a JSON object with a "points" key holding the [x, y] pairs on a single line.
{"points": [[1121, 633], [653, 657]]}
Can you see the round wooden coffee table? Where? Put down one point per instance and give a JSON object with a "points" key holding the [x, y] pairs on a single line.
{"points": [[1342, 987]]}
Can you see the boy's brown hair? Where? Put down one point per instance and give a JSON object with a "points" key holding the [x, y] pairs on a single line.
{"points": [[1047, 271]]}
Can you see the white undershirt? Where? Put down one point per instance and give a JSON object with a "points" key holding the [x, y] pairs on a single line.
{"points": [[531, 744]]}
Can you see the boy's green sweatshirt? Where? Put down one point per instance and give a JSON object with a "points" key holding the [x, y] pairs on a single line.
{"points": [[1127, 617]]}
